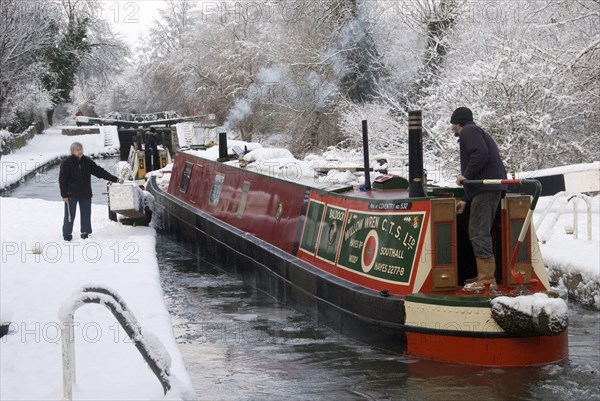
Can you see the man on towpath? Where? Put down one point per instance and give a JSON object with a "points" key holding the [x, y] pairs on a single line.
{"points": [[75, 184]]}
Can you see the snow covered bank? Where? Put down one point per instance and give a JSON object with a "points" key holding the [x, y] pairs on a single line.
{"points": [[39, 272], [48, 147], [574, 262], [574, 168]]}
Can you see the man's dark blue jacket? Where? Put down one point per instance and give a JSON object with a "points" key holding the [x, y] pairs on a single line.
{"points": [[479, 159]]}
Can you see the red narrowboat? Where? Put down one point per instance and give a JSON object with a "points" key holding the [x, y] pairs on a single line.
{"points": [[382, 265]]}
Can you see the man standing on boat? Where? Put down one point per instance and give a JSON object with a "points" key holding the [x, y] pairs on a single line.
{"points": [[75, 183], [151, 147], [479, 159]]}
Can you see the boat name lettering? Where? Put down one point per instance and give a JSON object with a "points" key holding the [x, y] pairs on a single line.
{"points": [[391, 230], [354, 228], [381, 245], [390, 206], [393, 252], [371, 222], [385, 268], [409, 241], [357, 225], [335, 214]]}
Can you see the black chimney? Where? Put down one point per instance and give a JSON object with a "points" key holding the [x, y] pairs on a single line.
{"points": [[223, 157], [365, 132], [415, 154]]}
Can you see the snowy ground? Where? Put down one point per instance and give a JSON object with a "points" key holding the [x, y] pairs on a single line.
{"points": [[574, 261], [39, 271], [34, 285]]}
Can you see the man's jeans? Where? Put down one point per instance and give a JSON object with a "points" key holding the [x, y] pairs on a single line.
{"points": [[483, 211], [85, 207]]}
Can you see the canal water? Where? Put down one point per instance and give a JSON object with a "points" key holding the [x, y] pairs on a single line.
{"points": [[44, 185], [240, 344]]}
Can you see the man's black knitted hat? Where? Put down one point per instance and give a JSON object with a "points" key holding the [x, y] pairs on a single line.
{"points": [[461, 116]]}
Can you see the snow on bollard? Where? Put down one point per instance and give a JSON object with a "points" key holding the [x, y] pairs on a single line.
{"points": [[530, 315]]}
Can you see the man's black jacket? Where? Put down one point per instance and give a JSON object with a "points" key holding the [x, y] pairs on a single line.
{"points": [[75, 176]]}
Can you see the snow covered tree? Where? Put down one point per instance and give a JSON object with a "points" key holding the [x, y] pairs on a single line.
{"points": [[304, 69], [163, 64], [518, 78], [355, 56], [83, 47], [24, 33], [63, 60]]}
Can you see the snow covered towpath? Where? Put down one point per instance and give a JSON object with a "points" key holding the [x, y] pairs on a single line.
{"points": [[39, 271]]}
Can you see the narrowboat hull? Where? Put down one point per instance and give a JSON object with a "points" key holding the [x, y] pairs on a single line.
{"points": [[328, 272], [360, 313]]}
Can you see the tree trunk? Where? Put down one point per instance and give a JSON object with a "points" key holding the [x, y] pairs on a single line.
{"points": [[245, 137], [50, 114]]}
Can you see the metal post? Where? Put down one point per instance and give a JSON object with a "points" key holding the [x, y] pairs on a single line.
{"points": [[545, 236], [415, 154], [68, 356], [365, 132], [151, 158], [575, 220], [139, 139]]}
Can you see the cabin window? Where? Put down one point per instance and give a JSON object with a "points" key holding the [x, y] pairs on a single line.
{"points": [[185, 178], [215, 192], [243, 199], [314, 217], [443, 250]]}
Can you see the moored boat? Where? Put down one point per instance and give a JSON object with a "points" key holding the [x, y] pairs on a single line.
{"points": [[381, 265]]}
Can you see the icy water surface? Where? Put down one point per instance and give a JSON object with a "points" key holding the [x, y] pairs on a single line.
{"points": [[240, 344], [44, 185]]}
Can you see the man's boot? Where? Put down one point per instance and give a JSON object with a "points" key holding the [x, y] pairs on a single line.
{"points": [[486, 269]]}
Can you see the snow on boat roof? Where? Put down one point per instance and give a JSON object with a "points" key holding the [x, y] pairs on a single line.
{"points": [[280, 163]]}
